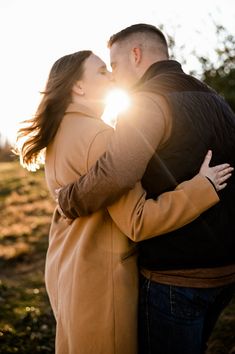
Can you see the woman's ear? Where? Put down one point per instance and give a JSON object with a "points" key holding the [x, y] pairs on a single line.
{"points": [[78, 88]]}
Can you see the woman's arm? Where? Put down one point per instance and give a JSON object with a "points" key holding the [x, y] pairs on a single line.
{"points": [[141, 219]]}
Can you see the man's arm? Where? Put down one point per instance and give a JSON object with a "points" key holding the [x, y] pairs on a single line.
{"points": [[138, 134]]}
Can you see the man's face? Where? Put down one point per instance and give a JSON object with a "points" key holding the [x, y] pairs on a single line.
{"points": [[123, 67]]}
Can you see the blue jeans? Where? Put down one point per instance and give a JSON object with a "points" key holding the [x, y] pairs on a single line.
{"points": [[178, 320]]}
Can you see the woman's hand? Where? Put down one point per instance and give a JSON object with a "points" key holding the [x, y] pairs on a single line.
{"points": [[217, 174]]}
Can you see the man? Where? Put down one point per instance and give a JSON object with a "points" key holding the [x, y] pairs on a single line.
{"points": [[187, 276]]}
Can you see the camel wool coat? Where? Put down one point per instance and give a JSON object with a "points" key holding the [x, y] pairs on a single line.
{"points": [[91, 270]]}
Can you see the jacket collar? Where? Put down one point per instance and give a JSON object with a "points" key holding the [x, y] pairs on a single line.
{"points": [[81, 109], [160, 67]]}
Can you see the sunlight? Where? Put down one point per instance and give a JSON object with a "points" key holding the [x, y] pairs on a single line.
{"points": [[117, 101]]}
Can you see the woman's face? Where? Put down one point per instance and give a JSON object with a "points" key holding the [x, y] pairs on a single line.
{"points": [[97, 80]]}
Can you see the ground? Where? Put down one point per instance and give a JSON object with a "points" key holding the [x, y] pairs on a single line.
{"points": [[27, 324]]}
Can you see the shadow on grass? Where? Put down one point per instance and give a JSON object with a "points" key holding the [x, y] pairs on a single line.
{"points": [[28, 324]]}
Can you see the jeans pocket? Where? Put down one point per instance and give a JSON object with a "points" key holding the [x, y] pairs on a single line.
{"points": [[187, 303], [143, 290]]}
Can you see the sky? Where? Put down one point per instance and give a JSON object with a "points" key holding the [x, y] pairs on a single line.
{"points": [[35, 33]]}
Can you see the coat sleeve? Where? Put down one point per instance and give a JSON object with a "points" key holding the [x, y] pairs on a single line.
{"points": [[137, 135], [141, 219]]}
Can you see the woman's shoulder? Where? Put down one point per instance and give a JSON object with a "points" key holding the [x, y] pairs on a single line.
{"points": [[78, 132], [81, 124], [75, 142]]}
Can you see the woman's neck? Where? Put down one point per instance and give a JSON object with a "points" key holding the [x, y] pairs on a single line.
{"points": [[95, 106]]}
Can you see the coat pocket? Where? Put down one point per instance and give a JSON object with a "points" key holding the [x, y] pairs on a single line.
{"points": [[131, 252]]}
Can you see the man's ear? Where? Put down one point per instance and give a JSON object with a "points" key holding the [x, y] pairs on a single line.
{"points": [[136, 55], [78, 88]]}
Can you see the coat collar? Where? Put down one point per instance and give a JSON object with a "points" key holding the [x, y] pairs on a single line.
{"points": [[160, 67], [81, 109]]}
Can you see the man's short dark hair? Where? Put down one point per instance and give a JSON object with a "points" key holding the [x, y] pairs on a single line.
{"points": [[137, 28]]}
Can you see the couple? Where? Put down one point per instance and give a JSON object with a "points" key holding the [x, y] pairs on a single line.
{"points": [[129, 184]]}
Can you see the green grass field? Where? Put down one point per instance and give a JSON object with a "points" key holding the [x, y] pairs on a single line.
{"points": [[26, 321]]}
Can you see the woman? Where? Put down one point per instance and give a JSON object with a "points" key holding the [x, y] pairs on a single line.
{"points": [[91, 271]]}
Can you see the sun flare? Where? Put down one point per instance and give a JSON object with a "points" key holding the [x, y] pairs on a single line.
{"points": [[117, 101]]}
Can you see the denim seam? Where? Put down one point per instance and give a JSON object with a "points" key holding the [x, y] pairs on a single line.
{"points": [[172, 299], [147, 317]]}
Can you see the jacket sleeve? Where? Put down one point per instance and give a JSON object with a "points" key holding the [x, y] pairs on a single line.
{"points": [[137, 135], [139, 218]]}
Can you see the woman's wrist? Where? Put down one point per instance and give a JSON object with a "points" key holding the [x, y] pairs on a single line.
{"points": [[211, 183]]}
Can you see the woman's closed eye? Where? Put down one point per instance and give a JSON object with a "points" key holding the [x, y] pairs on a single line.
{"points": [[103, 70]]}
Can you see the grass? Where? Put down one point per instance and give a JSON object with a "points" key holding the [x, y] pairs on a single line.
{"points": [[27, 324]]}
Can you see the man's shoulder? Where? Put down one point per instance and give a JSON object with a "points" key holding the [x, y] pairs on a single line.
{"points": [[150, 99]]}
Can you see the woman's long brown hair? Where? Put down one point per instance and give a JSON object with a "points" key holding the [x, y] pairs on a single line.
{"points": [[41, 129]]}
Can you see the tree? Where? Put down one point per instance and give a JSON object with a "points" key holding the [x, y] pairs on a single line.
{"points": [[220, 74], [6, 153]]}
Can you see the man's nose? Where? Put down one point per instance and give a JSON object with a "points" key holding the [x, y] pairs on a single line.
{"points": [[111, 77]]}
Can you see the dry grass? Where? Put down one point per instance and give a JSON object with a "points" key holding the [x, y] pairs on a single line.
{"points": [[26, 323]]}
